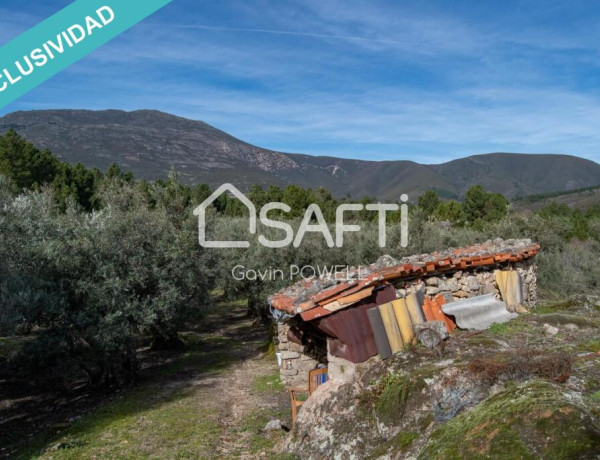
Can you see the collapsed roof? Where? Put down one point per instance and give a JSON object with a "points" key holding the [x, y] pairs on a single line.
{"points": [[322, 296]]}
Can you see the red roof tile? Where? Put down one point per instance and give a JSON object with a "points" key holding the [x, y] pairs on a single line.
{"points": [[309, 297]]}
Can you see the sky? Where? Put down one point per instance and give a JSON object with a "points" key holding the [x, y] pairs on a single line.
{"points": [[384, 80]]}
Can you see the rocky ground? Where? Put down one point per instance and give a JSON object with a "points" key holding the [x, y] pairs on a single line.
{"points": [[525, 389]]}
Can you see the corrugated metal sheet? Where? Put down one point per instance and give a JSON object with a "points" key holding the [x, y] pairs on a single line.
{"points": [[381, 341], [414, 309], [509, 283], [404, 322], [436, 305], [478, 313], [427, 310], [348, 331], [391, 327]]}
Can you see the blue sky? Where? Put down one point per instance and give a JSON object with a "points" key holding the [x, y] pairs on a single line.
{"points": [[426, 81]]}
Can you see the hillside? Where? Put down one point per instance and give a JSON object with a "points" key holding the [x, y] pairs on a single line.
{"points": [[148, 143], [583, 199]]}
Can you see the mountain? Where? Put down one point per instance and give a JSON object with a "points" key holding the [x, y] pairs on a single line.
{"points": [[149, 142]]}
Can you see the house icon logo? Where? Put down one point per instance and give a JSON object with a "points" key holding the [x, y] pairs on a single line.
{"points": [[200, 211]]}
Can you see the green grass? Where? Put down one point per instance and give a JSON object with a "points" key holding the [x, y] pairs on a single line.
{"points": [[11, 345], [508, 328], [165, 417], [535, 420], [267, 383], [139, 424], [146, 421], [254, 422], [592, 345]]}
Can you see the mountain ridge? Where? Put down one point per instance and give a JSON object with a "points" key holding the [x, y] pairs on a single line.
{"points": [[149, 142]]}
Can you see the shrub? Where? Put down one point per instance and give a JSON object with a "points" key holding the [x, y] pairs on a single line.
{"points": [[92, 282]]}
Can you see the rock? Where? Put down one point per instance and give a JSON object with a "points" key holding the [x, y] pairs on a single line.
{"points": [[550, 330], [289, 355], [450, 284], [288, 371], [454, 390], [273, 425], [489, 289], [571, 327], [540, 419], [472, 283], [432, 290], [432, 281], [431, 333]]}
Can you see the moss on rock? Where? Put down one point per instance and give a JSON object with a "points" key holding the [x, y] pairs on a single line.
{"points": [[535, 420]]}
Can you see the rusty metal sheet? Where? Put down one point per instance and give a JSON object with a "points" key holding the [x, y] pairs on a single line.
{"points": [[349, 332]]}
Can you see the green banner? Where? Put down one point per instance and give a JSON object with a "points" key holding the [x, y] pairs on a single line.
{"points": [[64, 38]]}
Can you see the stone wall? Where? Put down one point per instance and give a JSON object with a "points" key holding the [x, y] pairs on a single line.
{"points": [[295, 364], [474, 282], [297, 360]]}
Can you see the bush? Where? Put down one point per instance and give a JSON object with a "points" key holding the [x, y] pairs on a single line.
{"points": [[92, 282]]}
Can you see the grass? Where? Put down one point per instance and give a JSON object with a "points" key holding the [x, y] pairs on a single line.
{"points": [[262, 443], [11, 345], [592, 345], [535, 420], [266, 383], [146, 421], [507, 328], [177, 413], [139, 425]]}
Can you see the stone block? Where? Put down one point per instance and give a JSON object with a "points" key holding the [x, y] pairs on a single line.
{"points": [[289, 355], [288, 372]]}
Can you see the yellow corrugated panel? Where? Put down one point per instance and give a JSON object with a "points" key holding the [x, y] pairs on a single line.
{"points": [[414, 309], [404, 322], [509, 283], [391, 327]]}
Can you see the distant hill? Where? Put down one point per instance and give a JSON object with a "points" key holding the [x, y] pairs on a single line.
{"points": [[583, 198], [148, 143]]}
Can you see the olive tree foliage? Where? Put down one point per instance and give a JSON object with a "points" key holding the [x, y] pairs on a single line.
{"points": [[566, 264], [89, 284]]}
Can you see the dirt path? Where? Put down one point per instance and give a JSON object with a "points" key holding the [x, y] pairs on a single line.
{"points": [[239, 397], [210, 401]]}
